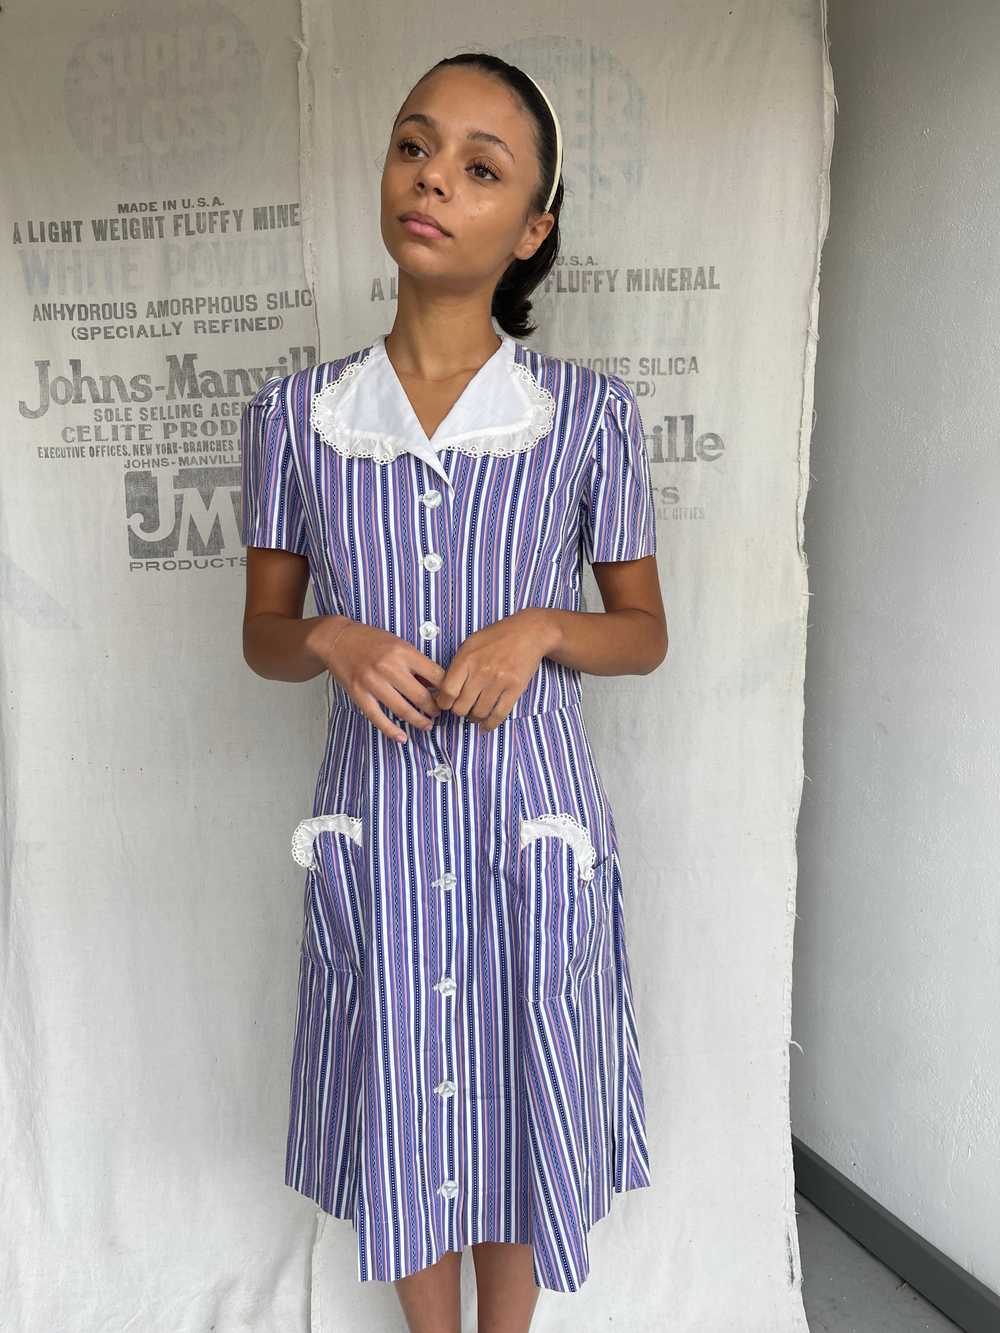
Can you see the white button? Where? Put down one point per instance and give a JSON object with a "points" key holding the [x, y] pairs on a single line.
{"points": [[449, 1188], [446, 985], [440, 771], [428, 629], [430, 498], [431, 561], [446, 881], [446, 1088]]}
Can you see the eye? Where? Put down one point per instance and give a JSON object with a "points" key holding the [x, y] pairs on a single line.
{"points": [[486, 167], [478, 165]]}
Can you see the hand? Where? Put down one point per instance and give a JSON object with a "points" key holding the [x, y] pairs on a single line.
{"points": [[376, 666], [489, 672]]}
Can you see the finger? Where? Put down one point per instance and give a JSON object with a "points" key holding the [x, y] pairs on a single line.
{"points": [[451, 684], [423, 667], [467, 698], [483, 705], [501, 710], [410, 688], [486, 703], [396, 699], [370, 707], [420, 694], [429, 676]]}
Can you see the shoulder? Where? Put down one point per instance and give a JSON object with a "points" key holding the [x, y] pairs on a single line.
{"points": [[268, 392], [589, 388], [301, 385], [601, 403], [308, 379], [620, 396]]}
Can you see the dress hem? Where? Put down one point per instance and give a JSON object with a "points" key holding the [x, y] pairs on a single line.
{"points": [[631, 1185]]}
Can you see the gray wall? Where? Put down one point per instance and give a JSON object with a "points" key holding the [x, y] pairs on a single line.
{"points": [[896, 993]]}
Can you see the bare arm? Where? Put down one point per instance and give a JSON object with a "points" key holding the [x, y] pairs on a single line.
{"points": [[628, 638], [378, 670], [277, 642], [492, 667]]}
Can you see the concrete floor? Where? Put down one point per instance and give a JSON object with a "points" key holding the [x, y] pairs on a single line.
{"points": [[847, 1290]]}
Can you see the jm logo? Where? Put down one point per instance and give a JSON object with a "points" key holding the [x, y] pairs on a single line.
{"points": [[192, 511]]}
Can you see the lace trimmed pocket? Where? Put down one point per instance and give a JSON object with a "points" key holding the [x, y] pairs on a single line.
{"points": [[564, 912], [329, 848]]}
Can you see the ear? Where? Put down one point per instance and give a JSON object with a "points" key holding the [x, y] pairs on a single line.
{"points": [[534, 235]]}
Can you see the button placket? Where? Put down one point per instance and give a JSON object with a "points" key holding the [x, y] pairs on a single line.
{"points": [[432, 562], [441, 772], [446, 986]]}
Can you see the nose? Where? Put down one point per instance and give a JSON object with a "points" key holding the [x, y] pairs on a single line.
{"points": [[432, 178]]}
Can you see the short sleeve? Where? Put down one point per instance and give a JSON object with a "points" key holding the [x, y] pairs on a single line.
{"points": [[272, 510], [619, 516]]}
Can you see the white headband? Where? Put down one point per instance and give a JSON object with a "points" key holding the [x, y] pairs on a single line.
{"points": [[559, 147]]}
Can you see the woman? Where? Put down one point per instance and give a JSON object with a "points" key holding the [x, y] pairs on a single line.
{"points": [[465, 1069]]}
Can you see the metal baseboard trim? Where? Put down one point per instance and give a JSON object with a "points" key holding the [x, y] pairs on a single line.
{"points": [[959, 1296]]}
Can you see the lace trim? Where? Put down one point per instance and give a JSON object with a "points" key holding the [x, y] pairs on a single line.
{"points": [[562, 826], [501, 441], [307, 829], [322, 415]]}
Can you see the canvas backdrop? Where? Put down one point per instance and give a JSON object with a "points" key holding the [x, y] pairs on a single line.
{"points": [[190, 204]]}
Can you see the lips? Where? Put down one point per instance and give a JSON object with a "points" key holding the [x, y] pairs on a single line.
{"points": [[425, 220]]}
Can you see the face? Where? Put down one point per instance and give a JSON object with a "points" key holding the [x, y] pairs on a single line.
{"points": [[479, 189]]}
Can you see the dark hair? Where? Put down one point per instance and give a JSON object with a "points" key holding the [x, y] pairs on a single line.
{"points": [[511, 298]]}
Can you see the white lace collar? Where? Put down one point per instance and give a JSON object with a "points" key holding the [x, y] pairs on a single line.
{"points": [[365, 413]]}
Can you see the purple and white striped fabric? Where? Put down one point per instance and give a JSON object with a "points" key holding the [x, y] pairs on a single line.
{"points": [[465, 1064]]}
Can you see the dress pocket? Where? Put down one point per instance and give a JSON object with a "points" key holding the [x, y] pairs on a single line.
{"points": [[329, 847], [565, 938], [597, 955]]}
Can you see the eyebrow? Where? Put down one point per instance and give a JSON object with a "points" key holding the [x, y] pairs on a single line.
{"points": [[482, 135]]}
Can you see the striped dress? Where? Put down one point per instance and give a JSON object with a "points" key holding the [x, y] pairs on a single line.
{"points": [[465, 1062]]}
